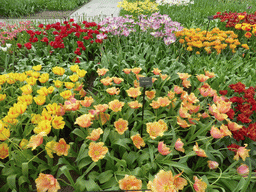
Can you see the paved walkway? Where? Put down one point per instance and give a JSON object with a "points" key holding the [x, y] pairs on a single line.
{"points": [[95, 11]]}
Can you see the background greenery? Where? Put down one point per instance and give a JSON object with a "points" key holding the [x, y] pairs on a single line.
{"points": [[17, 8]]}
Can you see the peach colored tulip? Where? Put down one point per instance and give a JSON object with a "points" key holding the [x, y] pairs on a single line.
{"points": [[47, 182], [199, 152], [242, 152], [179, 145], [163, 149], [199, 185]]}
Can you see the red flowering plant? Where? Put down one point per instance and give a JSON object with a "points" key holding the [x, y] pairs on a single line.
{"points": [[60, 42], [242, 114], [243, 110]]}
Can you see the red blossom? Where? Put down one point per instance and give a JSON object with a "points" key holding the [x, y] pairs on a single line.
{"points": [[231, 114], [242, 117], [233, 147], [28, 45], [77, 60], [223, 92], [19, 45], [249, 132], [238, 87], [236, 99], [41, 25], [77, 51]]}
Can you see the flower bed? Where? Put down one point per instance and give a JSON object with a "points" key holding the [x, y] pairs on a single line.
{"points": [[75, 112]]}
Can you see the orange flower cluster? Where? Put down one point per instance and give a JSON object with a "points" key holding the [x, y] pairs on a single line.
{"points": [[216, 39], [189, 108]]}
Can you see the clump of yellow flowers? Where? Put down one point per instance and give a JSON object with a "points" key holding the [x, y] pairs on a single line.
{"points": [[215, 40], [139, 7]]}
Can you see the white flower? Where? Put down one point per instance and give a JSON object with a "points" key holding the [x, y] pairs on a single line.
{"points": [[4, 49], [8, 45]]}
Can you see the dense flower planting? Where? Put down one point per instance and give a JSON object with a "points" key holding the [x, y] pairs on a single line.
{"points": [[157, 25], [242, 23], [54, 38], [122, 105], [243, 109], [139, 7], [9, 32], [217, 40], [51, 120]]}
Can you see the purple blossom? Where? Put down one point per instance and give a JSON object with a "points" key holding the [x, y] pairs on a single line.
{"points": [[156, 25]]}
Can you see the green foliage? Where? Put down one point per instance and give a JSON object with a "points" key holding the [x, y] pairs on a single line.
{"points": [[18, 8]]}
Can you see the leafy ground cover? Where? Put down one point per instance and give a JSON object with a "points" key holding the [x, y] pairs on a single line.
{"points": [[75, 113], [18, 9]]}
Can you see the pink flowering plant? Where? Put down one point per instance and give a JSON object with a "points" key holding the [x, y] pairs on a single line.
{"points": [[157, 25]]}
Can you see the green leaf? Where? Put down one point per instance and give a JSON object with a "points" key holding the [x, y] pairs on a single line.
{"points": [[82, 152], [11, 181], [105, 134], [2, 165], [240, 185], [91, 185], [79, 185], [79, 133], [84, 162], [180, 166], [121, 163], [151, 152], [131, 157], [65, 171], [105, 176], [109, 184], [25, 169], [123, 143], [22, 179]]}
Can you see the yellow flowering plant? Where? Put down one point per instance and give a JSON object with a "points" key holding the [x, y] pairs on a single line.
{"points": [[137, 8], [215, 41]]}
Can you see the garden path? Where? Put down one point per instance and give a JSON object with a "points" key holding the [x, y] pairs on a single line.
{"points": [[95, 11]]}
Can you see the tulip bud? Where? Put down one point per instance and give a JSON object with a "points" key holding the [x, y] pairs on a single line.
{"points": [[213, 164], [243, 170]]}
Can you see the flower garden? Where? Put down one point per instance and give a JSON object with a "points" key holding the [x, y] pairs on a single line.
{"points": [[151, 100]]}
